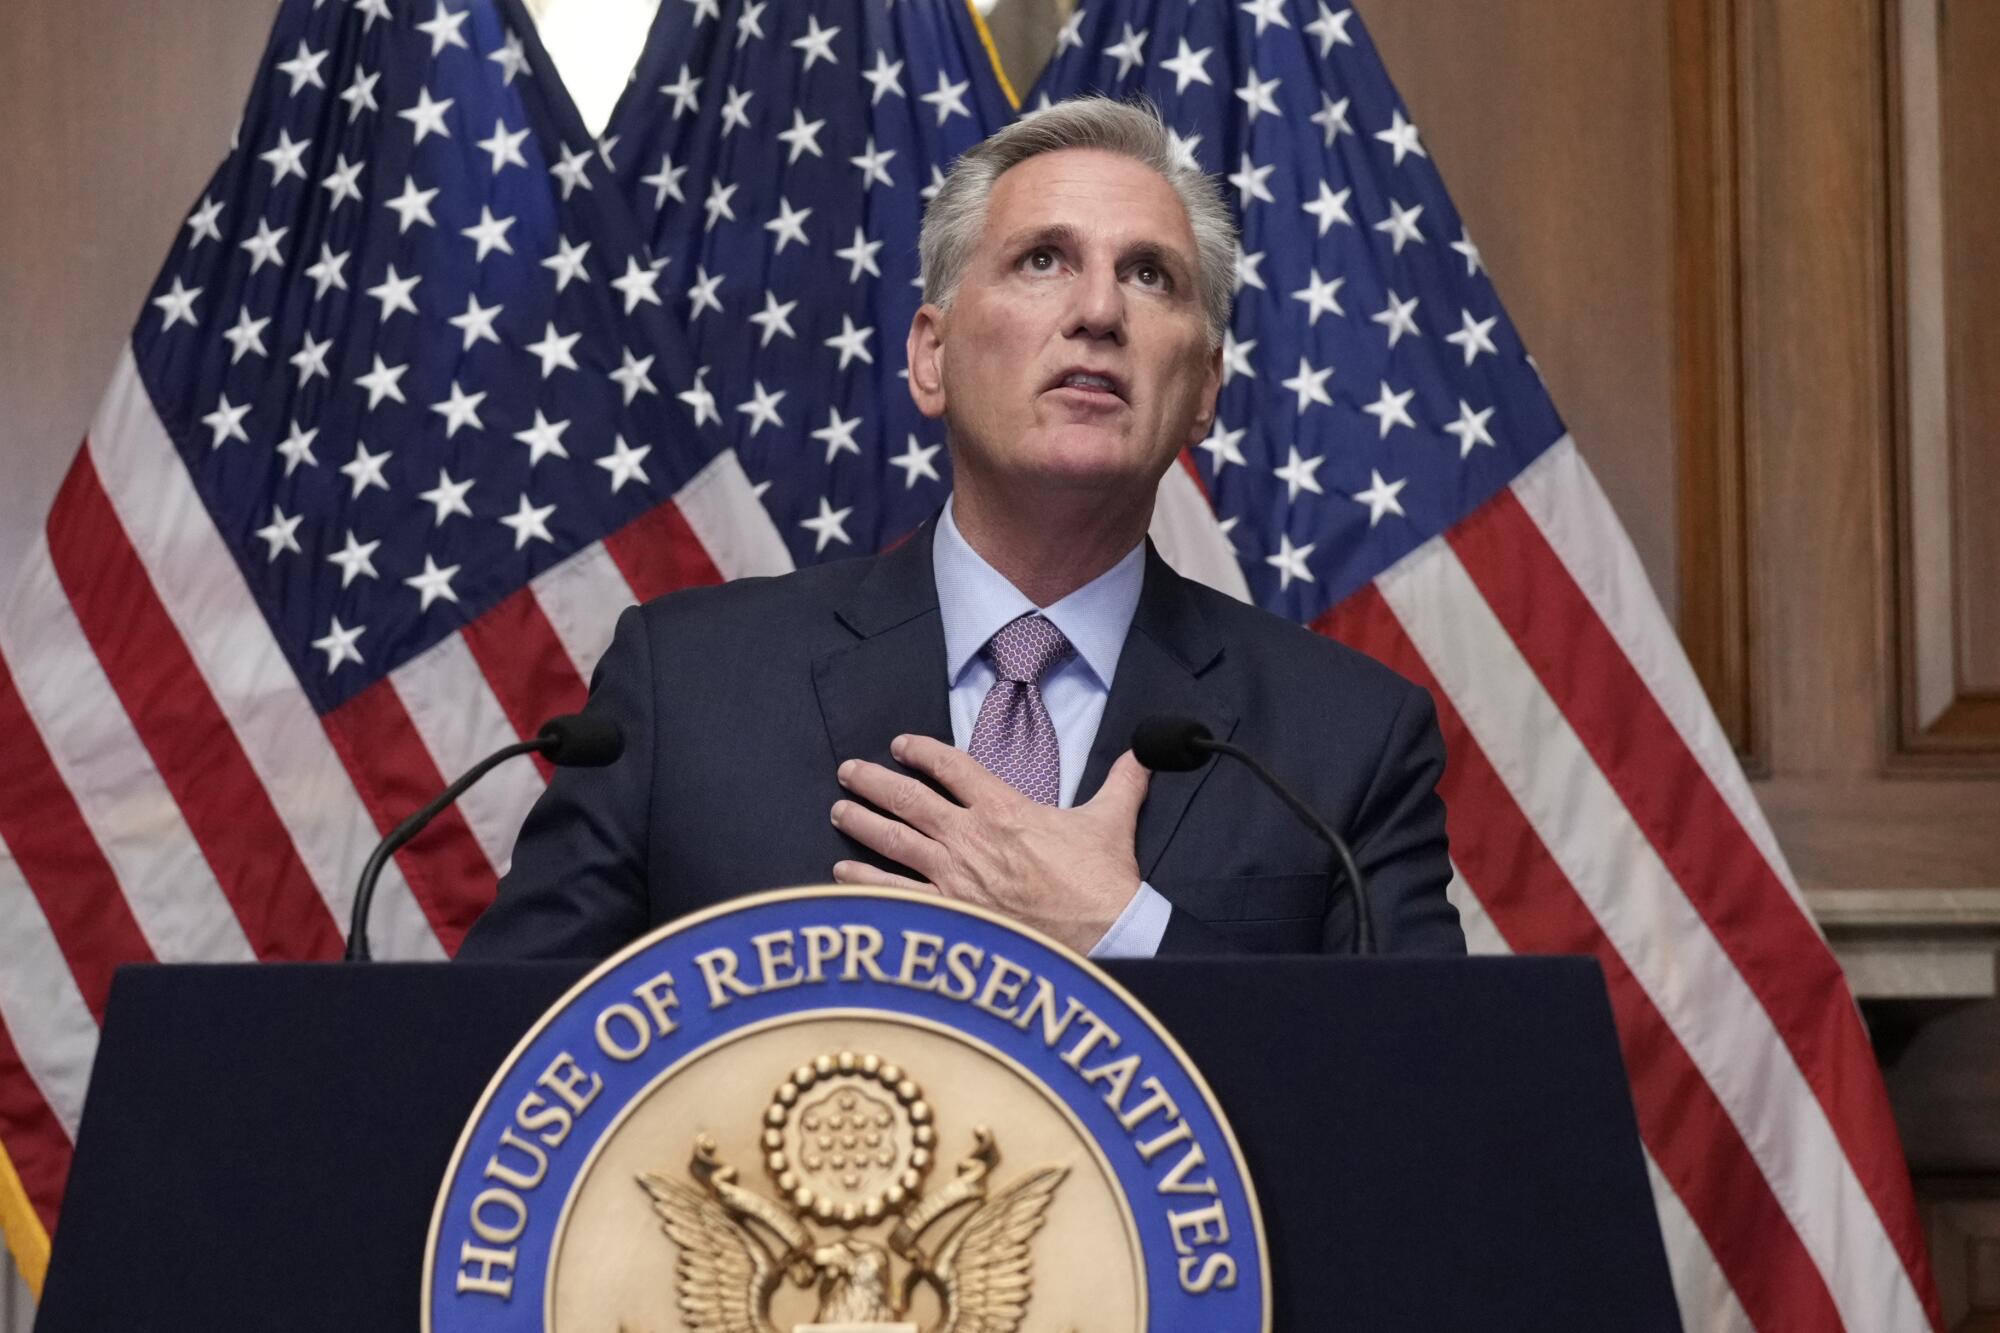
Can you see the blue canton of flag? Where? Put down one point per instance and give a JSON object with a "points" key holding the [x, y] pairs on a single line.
{"points": [[1375, 391], [780, 158], [408, 345]]}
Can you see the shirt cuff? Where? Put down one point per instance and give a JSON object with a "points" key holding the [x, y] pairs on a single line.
{"points": [[1139, 928]]}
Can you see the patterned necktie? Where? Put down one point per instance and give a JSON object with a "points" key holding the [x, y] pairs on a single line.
{"points": [[1013, 736]]}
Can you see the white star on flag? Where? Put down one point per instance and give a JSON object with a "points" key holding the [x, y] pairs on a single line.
{"points": [[637, 285], [433, 583], [634, 375], [303, 69], [1130, 50], [355, 558], [1474, 336], [1188, 66], [788, 226], [281, 534], [762, 407], [543, 439], [1391, 410], [1402, 137], [427, 116], [365, 469], [572, 169], [830, 525], [915, 460], [1470, 428], [625, 463], [529, 523], [817, 44], [1398, 317], [1290, 561], [554, 350], [1310, 385], [1380, 497], [802, 137], [460, 409], [338, 644], [287, 158], [838, 434], [1298, 474], [177, 305], [447, 497]]}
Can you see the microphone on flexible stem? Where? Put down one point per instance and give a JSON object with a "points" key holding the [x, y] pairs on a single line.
{"points": [[1166, 743], [580, 740]]}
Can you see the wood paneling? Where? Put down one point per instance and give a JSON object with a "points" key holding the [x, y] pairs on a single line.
{"points": [[1947, 155], [1717, 616], [116, 114], [1815, 373], [1970, 93], [1844, 383]]}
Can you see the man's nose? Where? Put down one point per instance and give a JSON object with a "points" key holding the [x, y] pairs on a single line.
{"points": [[1098, 306]]}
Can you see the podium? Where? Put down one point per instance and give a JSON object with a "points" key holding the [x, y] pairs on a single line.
{"points": [[1437, 1144]]}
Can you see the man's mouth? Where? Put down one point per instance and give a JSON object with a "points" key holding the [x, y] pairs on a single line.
{"points": [[1091, 382]]}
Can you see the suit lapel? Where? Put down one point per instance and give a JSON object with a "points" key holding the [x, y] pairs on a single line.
{"points": [[891, 680], [1168, 665]]}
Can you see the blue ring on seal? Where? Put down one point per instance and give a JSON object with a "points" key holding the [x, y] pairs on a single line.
{"points": [[528, 1234]]}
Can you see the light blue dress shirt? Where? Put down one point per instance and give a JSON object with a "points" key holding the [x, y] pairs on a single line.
{"points": [[974, 601]]}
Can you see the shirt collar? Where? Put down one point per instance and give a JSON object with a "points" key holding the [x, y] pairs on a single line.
{"points": [[975, 600]]}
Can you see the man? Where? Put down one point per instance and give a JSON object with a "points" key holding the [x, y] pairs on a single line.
{"points": [[954, 715]]}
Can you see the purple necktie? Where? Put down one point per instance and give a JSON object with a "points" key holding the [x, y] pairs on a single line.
{"points": [[1013, 736]]}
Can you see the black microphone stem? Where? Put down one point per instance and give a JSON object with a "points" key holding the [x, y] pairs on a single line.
{"points": [[364, 894], [1364, 928]]}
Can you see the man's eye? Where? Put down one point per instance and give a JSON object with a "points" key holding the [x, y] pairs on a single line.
{"points": [[1041, 261], [1151, 275]]}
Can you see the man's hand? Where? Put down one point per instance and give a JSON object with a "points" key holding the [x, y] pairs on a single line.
{"points": [[1068, 873]]}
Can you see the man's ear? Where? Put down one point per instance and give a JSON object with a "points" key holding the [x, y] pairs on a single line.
{"points": [[1211, 387], [925, 357]]}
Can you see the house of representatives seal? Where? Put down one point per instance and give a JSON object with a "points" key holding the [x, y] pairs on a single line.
{"points": [[846, 1111]]}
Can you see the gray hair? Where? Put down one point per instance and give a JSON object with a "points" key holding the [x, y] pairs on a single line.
{"points": [[957, 216]]}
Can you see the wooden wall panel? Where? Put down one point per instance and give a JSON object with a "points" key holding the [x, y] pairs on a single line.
{"points": [[1717, 614], [1816, 392], [1947, 150], [1969, 91], [115, 114], [1827, 396]]}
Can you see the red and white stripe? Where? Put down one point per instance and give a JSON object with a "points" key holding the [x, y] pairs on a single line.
{"points": [[1596, 808], [174, 797]]}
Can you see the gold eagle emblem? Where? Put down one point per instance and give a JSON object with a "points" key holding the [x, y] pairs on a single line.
{"points": [[848, 1139]]}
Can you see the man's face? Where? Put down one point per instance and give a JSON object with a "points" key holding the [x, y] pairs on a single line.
{"points": [[1075, 354]]}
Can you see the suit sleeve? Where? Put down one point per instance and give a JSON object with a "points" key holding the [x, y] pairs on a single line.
{"points": [[1399, 838], [577, 887]]}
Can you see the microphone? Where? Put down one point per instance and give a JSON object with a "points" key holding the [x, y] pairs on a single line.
{"points": [[1167, 743], [580, 740]]}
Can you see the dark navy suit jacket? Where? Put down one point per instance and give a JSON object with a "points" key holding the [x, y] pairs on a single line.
{"points": [[739, 701]]}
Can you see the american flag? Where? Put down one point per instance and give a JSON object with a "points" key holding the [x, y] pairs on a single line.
{"points": [[1392, 472], [784, 178], [434, 383], [409, 416]]}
